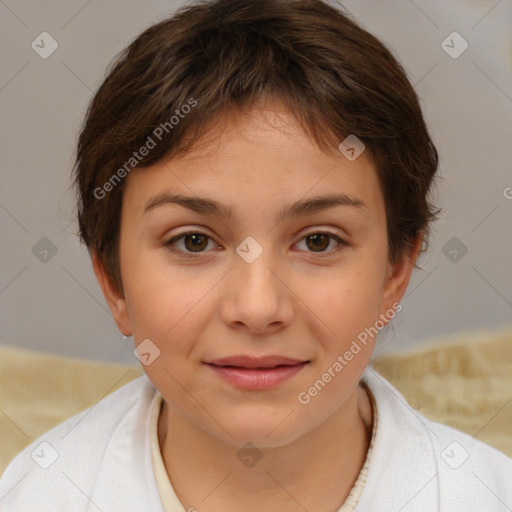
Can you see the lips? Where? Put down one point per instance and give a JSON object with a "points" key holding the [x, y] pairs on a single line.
{"points": [[242, 361], [256, 373]]}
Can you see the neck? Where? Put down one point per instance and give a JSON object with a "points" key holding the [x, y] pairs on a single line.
{"points": [[323, 464]]}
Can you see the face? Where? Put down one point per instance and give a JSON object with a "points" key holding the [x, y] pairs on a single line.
{"points": [[270, 279]]}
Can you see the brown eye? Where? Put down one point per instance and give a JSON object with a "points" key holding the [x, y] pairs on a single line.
{"points": [[195, 242], [192, 244], [318, 241]]}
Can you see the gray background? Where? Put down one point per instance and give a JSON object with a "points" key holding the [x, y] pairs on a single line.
{"points": [[56, 305]]}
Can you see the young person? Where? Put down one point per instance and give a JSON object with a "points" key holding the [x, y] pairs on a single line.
{"points": [[253, 181]]}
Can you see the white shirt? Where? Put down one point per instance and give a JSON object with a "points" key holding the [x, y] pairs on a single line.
{"points": [[100, 460]]}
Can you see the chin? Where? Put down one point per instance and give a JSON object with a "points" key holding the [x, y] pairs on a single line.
{"points": [[261, 432]]}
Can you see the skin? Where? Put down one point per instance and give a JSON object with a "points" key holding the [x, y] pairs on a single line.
{"points": [[296, 300]]}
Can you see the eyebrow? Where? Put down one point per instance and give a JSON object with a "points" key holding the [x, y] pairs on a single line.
{"points": [[210, 206]]}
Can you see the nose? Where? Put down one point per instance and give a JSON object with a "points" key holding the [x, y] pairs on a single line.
{"points": [[257, 297]]}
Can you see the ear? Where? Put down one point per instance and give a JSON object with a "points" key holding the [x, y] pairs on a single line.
{"points": [[114, 298], [399, 274]]}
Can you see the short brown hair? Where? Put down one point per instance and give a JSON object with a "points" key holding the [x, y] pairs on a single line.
{"points": [[336, 78]]}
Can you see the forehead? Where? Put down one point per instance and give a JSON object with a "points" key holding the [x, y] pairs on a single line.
{"points": [[261, 161]]}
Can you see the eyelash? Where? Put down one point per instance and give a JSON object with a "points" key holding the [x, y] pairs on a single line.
{"points": [[341, 244]]}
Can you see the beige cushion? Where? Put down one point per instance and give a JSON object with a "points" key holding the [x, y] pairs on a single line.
{"points": [[38, 391], [464, 381]]}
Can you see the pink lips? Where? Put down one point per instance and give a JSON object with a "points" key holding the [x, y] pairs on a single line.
{"points": [[256, 373]]}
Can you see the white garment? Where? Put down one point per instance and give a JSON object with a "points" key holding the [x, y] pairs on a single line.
{"points": [[103, 462]]}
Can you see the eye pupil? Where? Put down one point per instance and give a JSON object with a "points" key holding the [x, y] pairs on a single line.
{"points": [[195, 238], [317, 239]]}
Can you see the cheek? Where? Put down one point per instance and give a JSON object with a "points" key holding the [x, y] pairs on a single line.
{"points": [[165, 302], [347, 304], [350, 308]]}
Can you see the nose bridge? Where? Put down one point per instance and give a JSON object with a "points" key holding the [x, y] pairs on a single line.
{"points": [[255, 263], [259, 297]]}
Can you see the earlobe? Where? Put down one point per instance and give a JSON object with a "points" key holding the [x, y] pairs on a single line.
{"points": [[399, 274], [115, 300]]}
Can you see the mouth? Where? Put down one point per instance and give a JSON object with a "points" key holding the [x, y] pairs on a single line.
{"points": [[256, 373], [248, 362]]}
